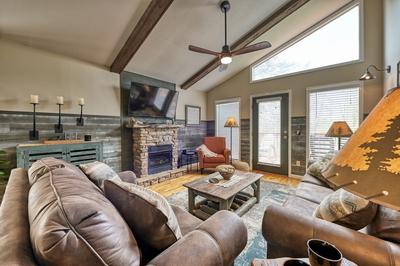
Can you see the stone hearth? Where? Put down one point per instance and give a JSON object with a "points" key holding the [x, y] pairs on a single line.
{"points": [[145, 136]]}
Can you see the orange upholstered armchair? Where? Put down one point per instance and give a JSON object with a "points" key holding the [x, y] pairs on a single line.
{"points": [[217, 145]]}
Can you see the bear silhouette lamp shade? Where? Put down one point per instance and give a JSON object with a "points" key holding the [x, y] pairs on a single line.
{"points": [[369, 164], [339, 129]]}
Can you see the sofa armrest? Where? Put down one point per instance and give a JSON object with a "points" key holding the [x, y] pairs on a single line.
{"points": [[128, 176], [216, 241], [289, 231], [15, 244], [227, 153]]}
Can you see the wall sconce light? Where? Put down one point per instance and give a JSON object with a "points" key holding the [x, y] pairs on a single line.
{"points": [[368, 75], [58, 128], [80, 120], [34, 134]]}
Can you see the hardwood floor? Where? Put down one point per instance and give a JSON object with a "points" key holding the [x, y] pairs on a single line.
{"points": [[170, 187]]}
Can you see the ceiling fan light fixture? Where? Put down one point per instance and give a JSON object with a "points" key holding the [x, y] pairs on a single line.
{"points": [[226, 60]]}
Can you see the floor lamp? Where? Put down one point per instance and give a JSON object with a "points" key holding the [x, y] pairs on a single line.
{"points": [[231, 123], [339, 129]]}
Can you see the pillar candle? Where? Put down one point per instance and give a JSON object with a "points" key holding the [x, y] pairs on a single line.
{"points": [[60, 100], [81, 101], [35, 99]]}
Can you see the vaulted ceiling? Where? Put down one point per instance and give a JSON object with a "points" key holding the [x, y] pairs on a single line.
{"points": [[95, 31]]}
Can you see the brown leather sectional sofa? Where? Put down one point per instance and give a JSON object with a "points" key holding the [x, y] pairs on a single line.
{"points": [[75, 232], [288, 228]]}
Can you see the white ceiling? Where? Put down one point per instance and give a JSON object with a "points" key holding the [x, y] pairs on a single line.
{"points": [[95, 30], [90, 30]]}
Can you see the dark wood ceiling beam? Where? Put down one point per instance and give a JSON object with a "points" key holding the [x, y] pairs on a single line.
{"points": [[146, 24], [248, 38]]}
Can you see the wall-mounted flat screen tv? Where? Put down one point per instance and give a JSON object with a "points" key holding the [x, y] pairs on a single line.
{"points": [[150, 101]]}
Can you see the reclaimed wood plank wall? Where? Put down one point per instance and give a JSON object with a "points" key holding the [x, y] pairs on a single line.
{"points": [[15, 126]]}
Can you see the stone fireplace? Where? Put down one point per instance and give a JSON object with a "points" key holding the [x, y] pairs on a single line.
{"points": [[155, 152]]}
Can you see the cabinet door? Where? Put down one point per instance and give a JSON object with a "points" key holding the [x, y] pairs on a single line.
{"points": [[82, 153]]}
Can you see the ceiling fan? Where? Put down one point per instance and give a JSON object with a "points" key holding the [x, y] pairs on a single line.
{"points": [[226, 54]]}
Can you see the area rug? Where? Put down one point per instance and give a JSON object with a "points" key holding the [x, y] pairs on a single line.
{"points": [[271, 193]]}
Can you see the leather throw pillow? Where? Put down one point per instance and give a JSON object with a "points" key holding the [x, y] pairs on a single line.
{"points": [[98, 172], [147, 213], [345, 208], [72, 222]]}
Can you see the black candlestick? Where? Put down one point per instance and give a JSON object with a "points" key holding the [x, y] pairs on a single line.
{"points": [[58, 128], [79, 120], [34, 134]]}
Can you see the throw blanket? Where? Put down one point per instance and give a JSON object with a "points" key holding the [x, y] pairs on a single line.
{"points": [[206, 151]]}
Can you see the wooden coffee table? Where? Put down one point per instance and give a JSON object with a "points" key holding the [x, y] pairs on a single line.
{"points": [[226, 195]]}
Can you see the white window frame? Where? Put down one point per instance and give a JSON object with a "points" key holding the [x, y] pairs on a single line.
{"points": [[309, 31], [229, 100], [336, 86]]}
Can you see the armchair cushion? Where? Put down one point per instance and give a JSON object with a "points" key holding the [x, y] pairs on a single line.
{"points": [[217, 159], [215, 144], [386, 225]]}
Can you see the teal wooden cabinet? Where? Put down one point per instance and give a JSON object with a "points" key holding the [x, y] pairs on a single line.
{"points": [[77, 153]]}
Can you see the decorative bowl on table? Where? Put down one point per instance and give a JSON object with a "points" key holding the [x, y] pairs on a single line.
{"points": [[226, 171]]}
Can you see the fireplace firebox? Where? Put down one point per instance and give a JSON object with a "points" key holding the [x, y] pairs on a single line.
{"points": [[160, 158]]}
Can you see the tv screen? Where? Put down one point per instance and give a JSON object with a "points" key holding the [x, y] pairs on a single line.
{"points": [[150, 101]]}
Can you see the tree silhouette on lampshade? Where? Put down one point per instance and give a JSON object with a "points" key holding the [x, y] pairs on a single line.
{"points": [[371, 157]]}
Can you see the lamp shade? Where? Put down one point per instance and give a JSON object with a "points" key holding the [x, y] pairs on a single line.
{"points": [[231, 122], [367, 76], [339, 129], [369, 163]]}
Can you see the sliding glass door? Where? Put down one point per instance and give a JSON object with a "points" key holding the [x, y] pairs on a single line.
{"points": [[225, 110]]}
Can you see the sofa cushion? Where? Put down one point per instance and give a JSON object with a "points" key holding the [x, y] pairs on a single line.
{"points": [[386, 225], [187, 222], [68, 214], [312, 192], [313, 180], [217, 159], [301, 206], [98, 172], [147, 213], [345, 208]]}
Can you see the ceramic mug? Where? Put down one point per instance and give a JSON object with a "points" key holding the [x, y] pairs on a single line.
{"points": [[322, 253]]}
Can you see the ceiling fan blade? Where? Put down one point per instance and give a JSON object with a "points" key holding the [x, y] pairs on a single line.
{"points": [[202, 50], [252, 48], [223, 67]]}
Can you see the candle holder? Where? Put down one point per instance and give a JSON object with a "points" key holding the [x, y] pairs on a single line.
{"points": [[34, 134], [58, 128], [80, 121]]}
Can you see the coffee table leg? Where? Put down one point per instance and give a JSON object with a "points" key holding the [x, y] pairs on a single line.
{"points": [[223, 205], [191, 200], [257, 190]]}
